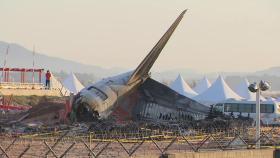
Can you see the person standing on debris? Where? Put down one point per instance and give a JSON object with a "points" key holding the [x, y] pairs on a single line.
{"points": [[48, 79]]}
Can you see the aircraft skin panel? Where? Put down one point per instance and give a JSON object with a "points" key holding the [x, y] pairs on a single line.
{"points": [[169, 103], [143, 69], [163, 93], [157, 102]]}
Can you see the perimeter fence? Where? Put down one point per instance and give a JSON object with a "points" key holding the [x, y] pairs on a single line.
{"points": [[142, 143]]}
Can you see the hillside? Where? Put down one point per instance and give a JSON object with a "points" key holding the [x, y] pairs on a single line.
{"points": [[22, 57]]}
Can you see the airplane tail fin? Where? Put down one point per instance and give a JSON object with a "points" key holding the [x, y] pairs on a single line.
{"points": [[143, 69]]}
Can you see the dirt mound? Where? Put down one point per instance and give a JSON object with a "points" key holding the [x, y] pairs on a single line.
{"points": [[47, 111], [33, 100], [45, 108]]}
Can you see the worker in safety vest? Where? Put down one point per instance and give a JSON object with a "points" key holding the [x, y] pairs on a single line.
{"points": [[48, 79]]}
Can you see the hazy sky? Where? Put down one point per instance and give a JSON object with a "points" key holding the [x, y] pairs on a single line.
{"points": [[215, 35]]}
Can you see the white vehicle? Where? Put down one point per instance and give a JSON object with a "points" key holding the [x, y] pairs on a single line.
{"points": [[270, 110]]}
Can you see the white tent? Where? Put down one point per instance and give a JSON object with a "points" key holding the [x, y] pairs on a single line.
{"points": [[55, 84], [180, 86], [219, 91], [73, 84], [202, 85], [243, 91], [271, 99]]}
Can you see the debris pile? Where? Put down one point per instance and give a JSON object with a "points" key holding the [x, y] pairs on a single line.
{"points": [[46, 114]]}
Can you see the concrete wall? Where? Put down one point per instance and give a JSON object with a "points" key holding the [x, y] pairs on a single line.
{"points": [[263, 153], [28, 92]]}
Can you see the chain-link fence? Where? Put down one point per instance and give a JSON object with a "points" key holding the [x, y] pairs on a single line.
{"points": [[112, 144]]}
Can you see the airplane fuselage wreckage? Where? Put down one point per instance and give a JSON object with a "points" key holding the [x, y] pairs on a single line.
{"points": [[136, 96]]}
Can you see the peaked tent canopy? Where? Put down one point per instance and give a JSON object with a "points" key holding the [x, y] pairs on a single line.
{"points": [[179, 85], [73, 84], [243, 91], [55, 83], [271, 99], [219, 91], [202, 86]]}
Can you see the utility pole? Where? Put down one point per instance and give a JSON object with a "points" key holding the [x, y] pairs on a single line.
{"points": [[258, 118], [4, 65], [33, 66]]}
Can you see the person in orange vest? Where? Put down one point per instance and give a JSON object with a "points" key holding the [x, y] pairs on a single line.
{"points": [[48, 79]]}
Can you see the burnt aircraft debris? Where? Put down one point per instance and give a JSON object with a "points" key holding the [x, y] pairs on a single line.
{"points": [[134, 95]]}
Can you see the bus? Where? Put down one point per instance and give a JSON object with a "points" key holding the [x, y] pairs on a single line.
{"points": [[270, 110]]}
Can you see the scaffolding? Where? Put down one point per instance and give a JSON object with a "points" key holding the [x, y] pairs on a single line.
{"points": [[7, 82]]}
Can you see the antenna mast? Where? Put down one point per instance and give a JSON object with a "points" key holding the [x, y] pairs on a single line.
{"points": [[5, 62], [33, 64]]}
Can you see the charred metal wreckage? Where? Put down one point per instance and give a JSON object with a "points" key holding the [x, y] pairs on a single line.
{"points": [[134, 95]]}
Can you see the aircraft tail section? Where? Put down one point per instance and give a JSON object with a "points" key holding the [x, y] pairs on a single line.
{"points": [[143, 69]]}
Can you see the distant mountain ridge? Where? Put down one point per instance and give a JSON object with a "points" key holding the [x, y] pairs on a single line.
{"points": [[273, 71], [22, 57]]}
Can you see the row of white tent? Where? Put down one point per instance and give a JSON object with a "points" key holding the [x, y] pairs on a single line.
{"points": [[207, 93], [204, 92]]}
